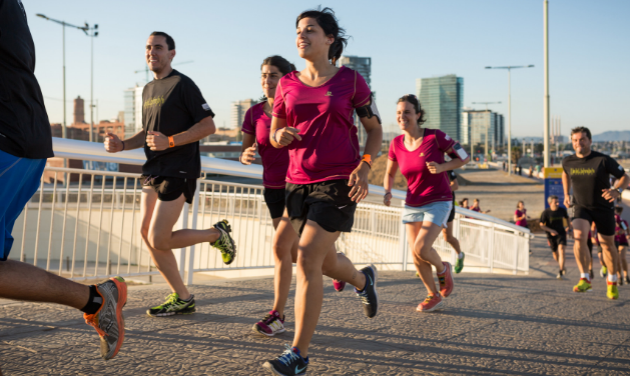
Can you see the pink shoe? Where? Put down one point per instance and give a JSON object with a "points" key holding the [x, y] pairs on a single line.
{"points": [[431, 303], [339, 285], [271, 325], [446, 280]]}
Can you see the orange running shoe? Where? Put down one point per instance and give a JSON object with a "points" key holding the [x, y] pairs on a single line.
{"points": [[446, 280], [431, 303], [108, 320]]}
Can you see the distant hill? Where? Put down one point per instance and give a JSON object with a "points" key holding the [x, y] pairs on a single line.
{"points": [[612, 136]]}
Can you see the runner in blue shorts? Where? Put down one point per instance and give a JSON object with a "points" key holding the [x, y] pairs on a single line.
{"points": [[25, 143]]}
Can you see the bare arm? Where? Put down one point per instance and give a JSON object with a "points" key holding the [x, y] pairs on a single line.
{"points": [[158, 141], [248, 150], [113, 144], [566, 186], [548, 229], [388, 180], [453, 164], [359, 177], [454, 185], [612, 193]]}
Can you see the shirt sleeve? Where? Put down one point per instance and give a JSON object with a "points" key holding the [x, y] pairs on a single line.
{"points": [[195, 104], [362, 91], [543, 217], [392, 153], [248, 122], [444, 141], [614, 168], [279, 106]]}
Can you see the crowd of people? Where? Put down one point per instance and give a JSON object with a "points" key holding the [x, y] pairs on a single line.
{"points": [[314, 177]]}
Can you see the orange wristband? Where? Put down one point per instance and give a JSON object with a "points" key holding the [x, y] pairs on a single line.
{"points": [[171, 143], [367, 159]]}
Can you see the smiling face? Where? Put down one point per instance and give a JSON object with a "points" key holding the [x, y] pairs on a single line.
{"points": [[553, 204], [406, 116], [311, 41], [581, 143], [269, 77], [158, 56]]}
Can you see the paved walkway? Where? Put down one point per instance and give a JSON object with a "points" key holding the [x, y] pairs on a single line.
{"points": [[492, 325]]}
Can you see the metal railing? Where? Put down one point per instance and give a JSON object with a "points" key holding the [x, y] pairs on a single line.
{"points": [[89, 227]]}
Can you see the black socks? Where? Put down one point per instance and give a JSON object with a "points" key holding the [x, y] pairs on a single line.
{"points": [[94, 302]]}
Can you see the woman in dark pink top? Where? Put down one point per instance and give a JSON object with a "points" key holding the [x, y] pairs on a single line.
{"points": [[419, 152], [313, 118], [475, 207], [520, 215]]}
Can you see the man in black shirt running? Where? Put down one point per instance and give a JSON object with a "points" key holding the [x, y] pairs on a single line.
{"points": [[174, 118], [587, 172], [25, 144], [552, 221]]}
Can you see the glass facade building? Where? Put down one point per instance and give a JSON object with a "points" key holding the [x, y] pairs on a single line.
{"points": [[473, 128], [133, 110], [442, 98]]}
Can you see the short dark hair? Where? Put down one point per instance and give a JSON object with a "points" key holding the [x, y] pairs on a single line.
{"points": [[581, 130], [410, 98], [551, 198], [170, 43], [279, 62], [326, 20]]}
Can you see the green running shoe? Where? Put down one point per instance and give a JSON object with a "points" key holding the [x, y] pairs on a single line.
{"points": [[613, 292], [173, 306], [225, 243], [583, 286], [603, 272], [459, 264]]}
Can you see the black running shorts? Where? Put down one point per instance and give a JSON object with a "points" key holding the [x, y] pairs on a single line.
{"points": [[604, 218], [589, 244], [171, 188], [326, 203], [274, 198], [451, 216], [555, 241]]}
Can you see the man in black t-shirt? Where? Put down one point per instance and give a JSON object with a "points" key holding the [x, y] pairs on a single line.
{"points": [[25, 144], [587, 172], [174, 118], [552, 220]]}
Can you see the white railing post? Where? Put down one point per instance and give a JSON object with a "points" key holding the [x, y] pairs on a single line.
{"points": [[402, 242], [180, 255], [191, 253], [515, 271], [491, 248]]}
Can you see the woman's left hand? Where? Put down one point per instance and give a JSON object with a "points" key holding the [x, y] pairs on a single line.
{"points": [[435, 168], [359, 182]]}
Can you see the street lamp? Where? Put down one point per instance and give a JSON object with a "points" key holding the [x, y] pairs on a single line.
{"points": [[63, 28], [92, 33], [509, 69], [488, 125]]}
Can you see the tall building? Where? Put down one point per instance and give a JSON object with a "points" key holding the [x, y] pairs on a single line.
{"points": [[442, 98], [363, 65], [133, 111], [474, 124], [239, 108], [79, 111]]}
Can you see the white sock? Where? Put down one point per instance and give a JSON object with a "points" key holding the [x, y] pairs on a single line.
{"points": [[586, 276], [460, 255], [612, 277]]}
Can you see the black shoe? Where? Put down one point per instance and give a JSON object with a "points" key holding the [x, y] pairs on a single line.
{"points": [[290, 363], [368, 295], [591, 273], [173, 306], [620, 281]]}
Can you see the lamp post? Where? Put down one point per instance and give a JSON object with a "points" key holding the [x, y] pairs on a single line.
{"points": [[91, 32], [546, 102], [487, 124], [509, 69], [63, 28]]}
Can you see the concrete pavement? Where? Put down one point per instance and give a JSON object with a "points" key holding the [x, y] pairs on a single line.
{"points": [[492, 325]]}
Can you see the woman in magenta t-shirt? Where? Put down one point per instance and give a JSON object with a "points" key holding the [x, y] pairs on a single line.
{"points": [[313, 118], [475, 207], [520, 215], [419, 152]]}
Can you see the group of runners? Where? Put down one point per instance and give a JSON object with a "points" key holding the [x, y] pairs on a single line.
{"points": [[591, 197], [314, 176]]}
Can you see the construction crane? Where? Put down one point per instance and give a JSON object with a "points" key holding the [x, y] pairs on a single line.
{"points": [[146, 69]]}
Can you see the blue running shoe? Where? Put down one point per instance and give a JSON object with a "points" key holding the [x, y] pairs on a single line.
{"points": [[290, 363]]}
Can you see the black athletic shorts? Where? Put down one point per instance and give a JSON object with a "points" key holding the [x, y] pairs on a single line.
{"points": [[275, 201], [451, 216], [555, 241], [604, 218], [326, 203], [589, 244], [170, 188]]}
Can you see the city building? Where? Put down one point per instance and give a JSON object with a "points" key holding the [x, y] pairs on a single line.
{"points": [[133, 110], [239, 108], [363, 65], [474, 124], [79, 111], [442, 98]]}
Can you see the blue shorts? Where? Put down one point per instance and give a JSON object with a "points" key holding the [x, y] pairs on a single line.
{"points": [[435, 212], [19, 180]]}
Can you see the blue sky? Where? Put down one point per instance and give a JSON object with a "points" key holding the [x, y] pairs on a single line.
{"points": [[407, 39]]}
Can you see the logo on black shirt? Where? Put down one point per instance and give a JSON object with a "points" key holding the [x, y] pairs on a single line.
{"points": [[153, 102], [582, 171]]}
